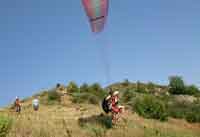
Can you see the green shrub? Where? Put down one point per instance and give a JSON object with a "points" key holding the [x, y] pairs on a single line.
{"points": [[128, 95], [141, 88], [151, 87], [93, 99], [151, 107], [72, 87], [126, 83], [191, 90], [85, 98], [178, 109], [193, 117], [97, 90], [79, 97], [197, 94], [5, 126], [84, 88], [193, 114], [185, 110], [53, 96]]}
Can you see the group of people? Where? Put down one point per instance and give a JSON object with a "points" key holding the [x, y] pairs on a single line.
{"points": [[17, 104], [111, 104]]}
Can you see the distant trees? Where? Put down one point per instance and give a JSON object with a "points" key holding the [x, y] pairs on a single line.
{"points": [[72, 87], [141, 88], [177, 86], [84, 87], [151, 87], [126, 82], [93, 93], [191, 90]]}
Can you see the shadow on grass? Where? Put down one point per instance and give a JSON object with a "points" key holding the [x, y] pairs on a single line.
{"points": [[102, 120]]}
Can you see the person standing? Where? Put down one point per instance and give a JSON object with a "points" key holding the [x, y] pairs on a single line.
{"points": [[17, 105], [115, 108], [35, 104]]}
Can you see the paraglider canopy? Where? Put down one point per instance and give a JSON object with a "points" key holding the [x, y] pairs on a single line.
{"points": [[97, 11]]}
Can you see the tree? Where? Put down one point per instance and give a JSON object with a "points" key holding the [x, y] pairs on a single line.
{"points": [[151, 87], [72, 87], [84, 88], [97, 90], [141, 87], [191, 90], [176, 85], [96, 87], [126, 82]]}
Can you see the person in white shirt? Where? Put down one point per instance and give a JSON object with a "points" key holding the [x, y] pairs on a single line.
{"points": [[35, 104]]}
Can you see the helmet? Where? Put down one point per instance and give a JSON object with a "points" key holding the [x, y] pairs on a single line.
{"points": [[116, 93]]}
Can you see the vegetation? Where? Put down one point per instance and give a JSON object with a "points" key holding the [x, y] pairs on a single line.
{"points": [[151, 107], [148, 100], [128, 96], [72, 87], [142, 100], [89, 94], [177, 86], [191, 90], [5, 125], [151, 87], [85, 98], [57, 121], [52, 98], [141, 88]]}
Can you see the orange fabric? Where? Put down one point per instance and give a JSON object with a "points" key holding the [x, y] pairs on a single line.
{"points": [[17, 102], [115, 108]]}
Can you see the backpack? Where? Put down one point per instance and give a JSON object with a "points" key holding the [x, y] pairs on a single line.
{"points": [[106, 105]]}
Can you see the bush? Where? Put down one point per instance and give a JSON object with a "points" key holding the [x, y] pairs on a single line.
{"points": [[151, 107], [53, 96], [84, 88], [184, 110], [126, 83], [197, 94], [191, 90], [193, 117], [94, 90], [178, 109], [93, 99], [141, 88], [79, 97], [5, 126], [151, 87], [97, 90], [85, 98], [72, 87], [193, 114], [128, 95]]}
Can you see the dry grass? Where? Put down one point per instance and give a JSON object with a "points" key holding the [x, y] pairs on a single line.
{"points": [[63, 121]]}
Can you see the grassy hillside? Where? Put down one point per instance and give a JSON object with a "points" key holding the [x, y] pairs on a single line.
{"points": [[83, 121], [79, 114]]}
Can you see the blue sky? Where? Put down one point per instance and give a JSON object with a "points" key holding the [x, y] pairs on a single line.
{"points": [[46, 42]]}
